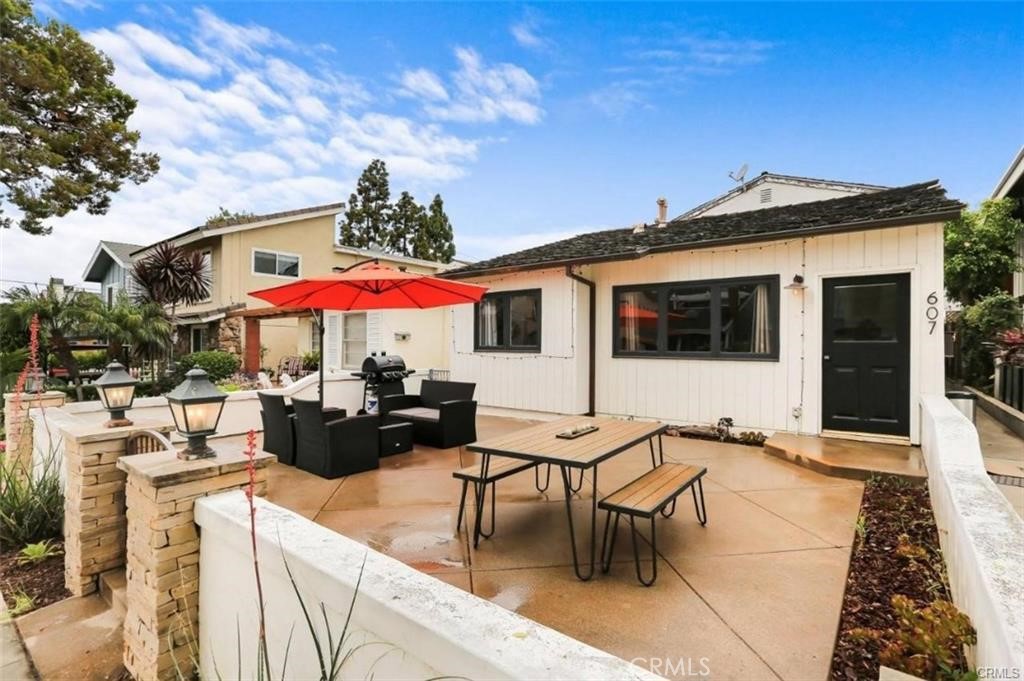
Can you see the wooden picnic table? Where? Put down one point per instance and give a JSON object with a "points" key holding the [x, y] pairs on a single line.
{"points": [[539, 444]]}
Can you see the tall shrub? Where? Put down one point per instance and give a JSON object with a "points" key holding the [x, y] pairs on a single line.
{"points": [[217, 363], [979, 326]]}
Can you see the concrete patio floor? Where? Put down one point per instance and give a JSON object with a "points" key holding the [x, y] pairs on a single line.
{"points": [[754, 595]]}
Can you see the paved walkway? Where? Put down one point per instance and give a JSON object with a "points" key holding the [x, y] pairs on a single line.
{"points": [[755, 595], [1004, 455], [14, 664]]}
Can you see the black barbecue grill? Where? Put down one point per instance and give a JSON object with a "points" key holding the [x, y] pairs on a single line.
{"points": [[383, 375]]}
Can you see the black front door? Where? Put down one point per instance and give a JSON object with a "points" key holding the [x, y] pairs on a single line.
{"points": [[866, 354]]}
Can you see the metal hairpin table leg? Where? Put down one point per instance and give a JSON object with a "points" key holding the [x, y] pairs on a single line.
{"points": [[567, 484], [485, 462]]}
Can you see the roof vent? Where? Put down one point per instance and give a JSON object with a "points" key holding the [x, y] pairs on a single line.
{"points": [[662, 211], [766, 195], [639, 228]]}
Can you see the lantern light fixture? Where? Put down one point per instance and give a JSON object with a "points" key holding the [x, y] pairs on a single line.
{"points": [[196, 405], [116, 390], [797, 284]]}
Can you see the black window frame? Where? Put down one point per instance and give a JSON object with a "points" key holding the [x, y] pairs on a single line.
{"points": [[715, 353], [505, 299]]}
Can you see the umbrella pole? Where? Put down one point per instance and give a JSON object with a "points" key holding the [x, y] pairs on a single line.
{"points": [[320, 333]]}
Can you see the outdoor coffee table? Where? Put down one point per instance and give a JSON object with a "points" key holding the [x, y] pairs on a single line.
{"points": [[540, 444]]}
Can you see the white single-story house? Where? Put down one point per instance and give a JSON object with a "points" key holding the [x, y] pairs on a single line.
{"points": [[821, 317]]}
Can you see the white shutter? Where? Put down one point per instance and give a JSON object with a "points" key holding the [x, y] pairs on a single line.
{"points": [[332, 341], [374, 332]]}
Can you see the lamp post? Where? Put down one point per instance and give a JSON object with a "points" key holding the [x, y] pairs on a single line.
{"points": [[116, 389], [196, 406]]}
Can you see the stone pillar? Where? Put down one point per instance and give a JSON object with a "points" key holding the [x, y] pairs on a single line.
{"points": [[162, 621], [18, 426], [94, 511], [252, 345]]}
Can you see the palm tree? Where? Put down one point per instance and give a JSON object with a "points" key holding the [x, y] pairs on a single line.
{"points": [[169, 276], [64, 312], [143, 327]]}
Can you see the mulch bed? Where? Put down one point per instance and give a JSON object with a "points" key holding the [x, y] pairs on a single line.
{"points": [[880, 568], [712, 434], [43, 582]]}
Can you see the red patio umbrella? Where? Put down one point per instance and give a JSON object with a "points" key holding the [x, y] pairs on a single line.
{"points": [[368, 286]]}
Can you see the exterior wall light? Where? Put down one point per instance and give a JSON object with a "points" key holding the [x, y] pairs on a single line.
{"points": [[36, 382], [116, 389], [196, 406], [797, 284]]}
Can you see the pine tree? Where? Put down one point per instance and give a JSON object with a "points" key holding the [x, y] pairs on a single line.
{"points": [[434, 239], [406, 221], [367, 220]]}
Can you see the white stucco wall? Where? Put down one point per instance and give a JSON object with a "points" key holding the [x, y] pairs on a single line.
{"points": [[982, 537], [415, 626]]}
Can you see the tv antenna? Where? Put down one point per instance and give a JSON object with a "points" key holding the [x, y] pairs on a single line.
{"points": [[740, 175]]}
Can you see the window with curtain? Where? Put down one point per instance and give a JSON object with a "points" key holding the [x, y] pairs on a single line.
{"points": [[508, 321], [713, 319]]}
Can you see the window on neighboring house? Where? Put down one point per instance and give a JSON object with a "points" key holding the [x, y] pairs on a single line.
{"points": [[111, 295], [198, 338], [722, 318], [275, 264], [508, 321], [314, 336], [353, 339]]}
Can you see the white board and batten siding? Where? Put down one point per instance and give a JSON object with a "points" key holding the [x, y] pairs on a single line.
{"points": [[552, 380], [783, 395]]}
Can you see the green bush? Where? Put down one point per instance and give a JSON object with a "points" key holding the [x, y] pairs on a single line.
{"points": [[217, 363], [91, 359], [88, 391], [979, 326], [311, 360]]}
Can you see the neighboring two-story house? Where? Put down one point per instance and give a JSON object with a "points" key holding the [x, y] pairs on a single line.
{"points": [[770, 190], [261, 251], [111, 268], [1011, 184]]}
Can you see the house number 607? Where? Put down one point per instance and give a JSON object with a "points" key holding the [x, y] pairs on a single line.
{"points": [[931, 312]]}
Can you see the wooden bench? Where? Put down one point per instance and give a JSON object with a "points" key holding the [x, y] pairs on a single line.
{"points": [[647, 496], [500, 467]]}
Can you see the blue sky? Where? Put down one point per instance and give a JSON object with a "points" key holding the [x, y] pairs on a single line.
{"points": [[537, 121]]}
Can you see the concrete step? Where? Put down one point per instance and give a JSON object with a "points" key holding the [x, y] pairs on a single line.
{"points": [[114, 589], [77, 638], [849, 459]]}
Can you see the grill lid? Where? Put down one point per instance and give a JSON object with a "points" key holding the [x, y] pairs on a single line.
{"points": [[379, 364]]}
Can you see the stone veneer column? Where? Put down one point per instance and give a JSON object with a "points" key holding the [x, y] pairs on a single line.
{"points": [[18, 426], [94, 513], [162, 620]]}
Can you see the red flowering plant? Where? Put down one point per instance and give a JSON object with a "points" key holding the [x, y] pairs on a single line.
{"points": [[263, 664], [1010, 345]]}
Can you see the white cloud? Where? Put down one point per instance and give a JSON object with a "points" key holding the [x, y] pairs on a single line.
{"points": [[487, 93], [423, 83], [526, 32], [241, 118]]}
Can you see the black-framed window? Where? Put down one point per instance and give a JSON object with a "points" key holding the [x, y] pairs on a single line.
{"points": [[508, 321], [708, 319]]}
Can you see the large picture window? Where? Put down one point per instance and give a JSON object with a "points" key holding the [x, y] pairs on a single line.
{"points": [[721, 318], [275, 264], [508, 321]]}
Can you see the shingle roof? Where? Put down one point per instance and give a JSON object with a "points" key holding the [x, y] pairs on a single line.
{"points": [[121, 251], [913, 204]]}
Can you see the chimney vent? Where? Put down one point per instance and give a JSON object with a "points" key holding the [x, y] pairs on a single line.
{"points": [[639, 228], [662, 211]]}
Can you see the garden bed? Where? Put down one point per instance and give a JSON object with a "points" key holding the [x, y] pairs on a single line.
{"points": [[41, 581], [896, 553]]}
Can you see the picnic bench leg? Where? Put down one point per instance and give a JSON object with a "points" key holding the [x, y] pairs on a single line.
{"points": [[536, 478], [671, 512], [575, 488], [636, 553], [567, 484], [485, 462], [494, 495], [462, 504], [606, 556], [702, 511]]}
